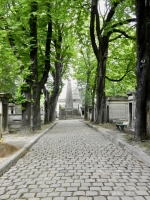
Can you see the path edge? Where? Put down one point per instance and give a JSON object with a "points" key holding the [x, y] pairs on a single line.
{"points": [[141, 156], [8, 163]]}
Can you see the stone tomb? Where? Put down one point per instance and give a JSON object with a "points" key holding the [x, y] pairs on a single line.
{"points": [[117, 109], [4, 98], [14, 117], [131, 108]]}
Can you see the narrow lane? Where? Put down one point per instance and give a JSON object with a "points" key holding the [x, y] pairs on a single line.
{"points": [[74, 162]]}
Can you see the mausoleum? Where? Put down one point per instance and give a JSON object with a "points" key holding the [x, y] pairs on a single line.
{"points": [[4, 99]]}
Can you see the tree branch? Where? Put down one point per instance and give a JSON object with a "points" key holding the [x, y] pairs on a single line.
{"points": [[97, 23], [126, 72], [47, 53], [127, 21], [92, 27], [122, 33], [115, 38], [110, 14], [118, 80]]}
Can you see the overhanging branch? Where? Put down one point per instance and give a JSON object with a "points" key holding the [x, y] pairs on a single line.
{"points": [[122, 33], [126, 72], [118, 80], [92, 27]]}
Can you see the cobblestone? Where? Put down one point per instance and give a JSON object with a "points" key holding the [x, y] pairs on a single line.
{"points": [[74, 162]]}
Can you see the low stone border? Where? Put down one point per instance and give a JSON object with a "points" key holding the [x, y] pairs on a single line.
{"points": [[131, 149], [8, 163]]}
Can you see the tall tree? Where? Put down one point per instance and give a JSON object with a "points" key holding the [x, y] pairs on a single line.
{"points": [[142, 125], [34, 64], [24, 19], [101, 29], [84, 73], [39, 75], [46, 105], [56, 73]]}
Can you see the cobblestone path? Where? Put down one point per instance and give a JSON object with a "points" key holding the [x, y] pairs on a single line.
{"points": [[74, 162]]}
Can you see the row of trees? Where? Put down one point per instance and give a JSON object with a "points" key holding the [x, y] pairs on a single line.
{"points": [[41, 41], [112, 35], [118, 33], [35, 41]]}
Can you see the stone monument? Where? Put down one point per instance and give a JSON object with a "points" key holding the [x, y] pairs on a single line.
{"points": [[4, 97], [69, 100]]}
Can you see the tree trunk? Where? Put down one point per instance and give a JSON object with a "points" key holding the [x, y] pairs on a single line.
{"points": [[87, 95], [36, 106], [26, 113], [100, 90], [93, 102], [142, 127], [55, 92], [34, 67], [56, 76], [46, 106], [101, 52], [47, 67], [52, 108], [86, 108]]}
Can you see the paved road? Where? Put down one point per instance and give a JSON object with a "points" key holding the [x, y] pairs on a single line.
{"points": [[74, 162]]}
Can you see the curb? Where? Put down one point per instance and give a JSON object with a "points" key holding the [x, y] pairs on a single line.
{"points": [[8, 163], [141, 156]]}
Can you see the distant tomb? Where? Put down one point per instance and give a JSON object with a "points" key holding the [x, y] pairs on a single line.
{"points": [[14, 117], [4, 98], [69, 101], [117, 109], [131, 108]]}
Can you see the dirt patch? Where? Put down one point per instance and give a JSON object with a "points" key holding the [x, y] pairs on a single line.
{"points": [[108, 126], [13, 141], [7, 150]]}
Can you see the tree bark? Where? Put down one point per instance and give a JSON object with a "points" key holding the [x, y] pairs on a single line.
{"points": [[55, 92], [36, 106], [93, 102], [26, 112], [46, 106], [52, 107], [36, 90], [87, 95], [101, 73], [56, 76], [47, 67], [142, 127]]}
